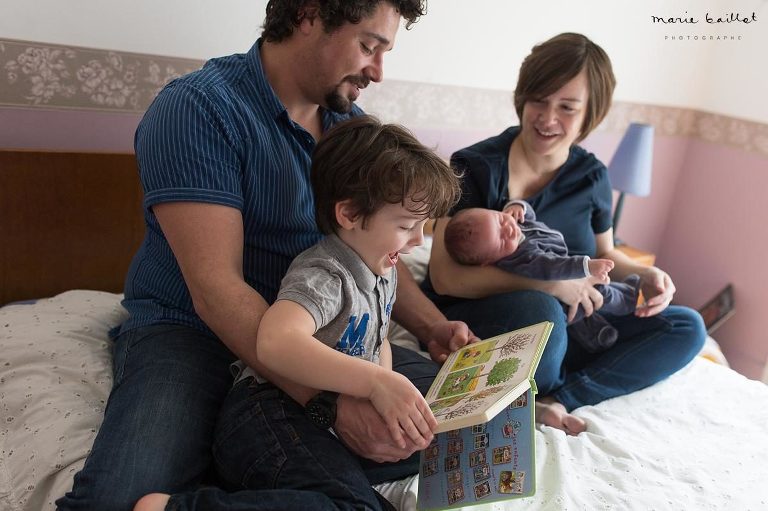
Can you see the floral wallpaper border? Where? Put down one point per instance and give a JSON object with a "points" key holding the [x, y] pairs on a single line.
{"points": [[39, 75], [749, 136], [465, 108], [55, 76]]}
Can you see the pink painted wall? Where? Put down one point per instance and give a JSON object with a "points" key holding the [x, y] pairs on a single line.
{"points": [[717, 235], [703, 220], [67, 130], [643, 218], [445, 142]]}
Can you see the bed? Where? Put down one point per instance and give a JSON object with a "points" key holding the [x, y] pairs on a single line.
{"points": [[70, 223]]}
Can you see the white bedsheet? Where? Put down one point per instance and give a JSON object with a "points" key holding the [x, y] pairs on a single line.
{"points": [[696, 441]]}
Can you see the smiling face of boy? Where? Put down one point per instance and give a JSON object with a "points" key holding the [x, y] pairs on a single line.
{"points": [[380, 238]]}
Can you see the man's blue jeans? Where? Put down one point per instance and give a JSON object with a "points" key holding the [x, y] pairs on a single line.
{"points": [[647, 351], [170, 382]]}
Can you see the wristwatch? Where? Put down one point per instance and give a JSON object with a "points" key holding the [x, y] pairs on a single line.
{"points": [[321, 409]]}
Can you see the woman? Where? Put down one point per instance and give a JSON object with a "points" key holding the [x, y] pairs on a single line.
{"points": [[563, 92]]}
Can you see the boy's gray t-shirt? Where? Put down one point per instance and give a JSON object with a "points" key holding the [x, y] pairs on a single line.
{"points": [[350, 304]]}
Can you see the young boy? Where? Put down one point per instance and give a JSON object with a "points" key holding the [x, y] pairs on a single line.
{"points": [[514, 241], [374, 187]]}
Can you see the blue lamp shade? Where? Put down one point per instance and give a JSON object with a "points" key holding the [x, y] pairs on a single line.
{"points": [[630, 168]]}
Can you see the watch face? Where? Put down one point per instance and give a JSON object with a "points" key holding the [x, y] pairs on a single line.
{"points": [[320, 415]]}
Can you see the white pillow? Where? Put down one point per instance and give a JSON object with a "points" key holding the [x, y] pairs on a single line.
{"points": [[418, 259], [417, 262], [55, 376]]}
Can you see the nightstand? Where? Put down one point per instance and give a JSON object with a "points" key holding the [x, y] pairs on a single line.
{"points": [[637, 255], [640, 257]]}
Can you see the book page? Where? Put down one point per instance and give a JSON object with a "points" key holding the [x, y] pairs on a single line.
{"points": [[485, 376]]}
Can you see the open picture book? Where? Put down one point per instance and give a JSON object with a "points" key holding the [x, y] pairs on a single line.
{"points": [[483, 400]]}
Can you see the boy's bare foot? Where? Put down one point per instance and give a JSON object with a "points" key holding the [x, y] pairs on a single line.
{"points": [[152, 502], [552, 413]]}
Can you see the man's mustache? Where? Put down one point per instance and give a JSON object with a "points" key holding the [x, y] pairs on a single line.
{"points": [[361, 82]]}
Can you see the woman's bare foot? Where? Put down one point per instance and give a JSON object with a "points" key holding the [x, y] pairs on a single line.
{"points": [[552, 413], [152, 502]]}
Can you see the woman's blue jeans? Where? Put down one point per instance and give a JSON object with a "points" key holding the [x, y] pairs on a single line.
{"points": [[647, 351], [157, 434]]}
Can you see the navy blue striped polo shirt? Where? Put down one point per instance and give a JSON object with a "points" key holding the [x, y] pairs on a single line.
{"points": [[221, 135]]}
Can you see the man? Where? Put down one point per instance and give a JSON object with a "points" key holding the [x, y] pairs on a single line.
{"points": [[224, 157]]}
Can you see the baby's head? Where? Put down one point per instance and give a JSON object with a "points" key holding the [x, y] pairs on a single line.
{"points": [[478, 236]]}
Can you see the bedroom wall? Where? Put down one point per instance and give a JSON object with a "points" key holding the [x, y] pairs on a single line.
{"points": [[451, 45], [450, 78], [702, 220], [716, 236]]}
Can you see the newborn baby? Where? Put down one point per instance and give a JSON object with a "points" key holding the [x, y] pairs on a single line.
{"points": [[514, 241]]}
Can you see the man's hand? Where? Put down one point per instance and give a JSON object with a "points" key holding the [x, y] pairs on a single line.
{"points": [[445, 337], [362, 429], [658, 290]]}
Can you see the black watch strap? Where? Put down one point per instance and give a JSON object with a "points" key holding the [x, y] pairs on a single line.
{"points": [[321, 409]]}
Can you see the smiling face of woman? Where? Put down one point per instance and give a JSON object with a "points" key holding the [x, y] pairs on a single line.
{"points": [[555, 64], [552, 124]]}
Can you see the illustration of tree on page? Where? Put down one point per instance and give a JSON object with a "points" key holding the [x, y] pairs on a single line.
{"points": [[483, 400]]}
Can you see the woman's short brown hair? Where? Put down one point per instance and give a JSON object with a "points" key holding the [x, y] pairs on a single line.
{"points": [[557, 61], [373, 164]]}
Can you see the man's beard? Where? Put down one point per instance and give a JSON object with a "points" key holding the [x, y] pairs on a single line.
{"points": [[337, 102]]}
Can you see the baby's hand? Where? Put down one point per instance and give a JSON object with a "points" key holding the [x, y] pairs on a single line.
{"points": [[600, 267], [403, 408], [517, 211]]}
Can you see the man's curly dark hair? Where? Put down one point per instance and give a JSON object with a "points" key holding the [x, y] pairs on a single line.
{"points": [[285, 15]]}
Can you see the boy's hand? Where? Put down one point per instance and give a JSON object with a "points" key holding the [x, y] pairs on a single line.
{"points": [[600, 267], [517, 211], [403, 408]]}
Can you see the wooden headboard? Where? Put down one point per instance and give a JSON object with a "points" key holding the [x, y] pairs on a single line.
{"points": [[67, 221]]}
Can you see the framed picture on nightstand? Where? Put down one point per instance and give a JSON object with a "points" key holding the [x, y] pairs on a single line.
{"points": [[716, 311]]}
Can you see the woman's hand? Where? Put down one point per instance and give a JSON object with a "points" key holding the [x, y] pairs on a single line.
{"points": [[656, 284], [579, 292], [658, 290]]}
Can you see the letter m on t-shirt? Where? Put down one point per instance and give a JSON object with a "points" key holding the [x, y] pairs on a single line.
{"points": [[353, 340]]}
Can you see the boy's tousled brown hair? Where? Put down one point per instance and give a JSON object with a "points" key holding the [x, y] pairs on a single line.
{"points": [[373, 164], [556, 62], [283, 16]]}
